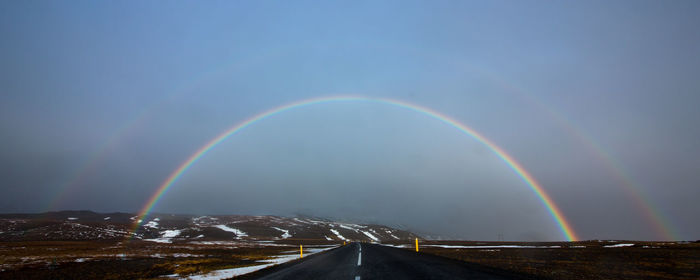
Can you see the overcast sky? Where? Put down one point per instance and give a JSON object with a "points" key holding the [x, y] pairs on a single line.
{"points": [[101, 101]]}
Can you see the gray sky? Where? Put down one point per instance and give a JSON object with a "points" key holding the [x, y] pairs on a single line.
{"points": [[101, 101]]}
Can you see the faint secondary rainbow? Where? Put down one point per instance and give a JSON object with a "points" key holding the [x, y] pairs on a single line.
{"points": [[91, 164], [553, 209]]}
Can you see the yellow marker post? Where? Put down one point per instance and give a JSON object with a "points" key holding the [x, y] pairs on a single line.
{"points": [[416, 244], [343, 242], [301, 251]]}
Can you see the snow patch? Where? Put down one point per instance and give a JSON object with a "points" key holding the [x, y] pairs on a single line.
{"points": [[237, 232], [397, 246], [107, 218], [375, 239], [347, 227], [285, 233], [72, 218], [170, 233], [185, 255], [229, 243], [488, 246], [619, 245], [338, 234], [165, 236], [301, 221], [159, 240], [152, 224], [231, 272]]}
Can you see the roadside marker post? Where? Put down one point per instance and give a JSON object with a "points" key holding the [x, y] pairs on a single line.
{"points": [[416, 244], [301, 251]]}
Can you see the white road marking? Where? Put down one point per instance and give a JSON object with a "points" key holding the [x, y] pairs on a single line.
{"points": [[357, 277], [359, 258]]}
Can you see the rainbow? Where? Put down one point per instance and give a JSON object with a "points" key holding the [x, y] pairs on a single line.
{"points": [[553, 209], [653, 215]]}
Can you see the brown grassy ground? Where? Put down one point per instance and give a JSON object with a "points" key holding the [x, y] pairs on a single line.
{"points": [[658, 260], [144, 260], [133, 260]]}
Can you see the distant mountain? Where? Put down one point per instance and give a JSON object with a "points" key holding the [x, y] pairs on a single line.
{"points": [[169, 228]]}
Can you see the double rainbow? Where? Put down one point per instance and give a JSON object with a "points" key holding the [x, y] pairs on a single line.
{"points": [[554, 211]]}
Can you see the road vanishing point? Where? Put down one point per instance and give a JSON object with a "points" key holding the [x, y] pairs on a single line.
{"points": [[358, 261]]}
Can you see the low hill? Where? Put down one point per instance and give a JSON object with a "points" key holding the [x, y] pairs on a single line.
{"points": [[168, 228]]}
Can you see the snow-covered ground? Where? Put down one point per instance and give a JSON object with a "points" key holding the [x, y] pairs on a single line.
{"points": [[506, 246], [488, 246], [237, 232], [472, 247], [374, 238], [171, 233], [285, 232], [166, 236], [619, 245], [351, 226], [231, 272], [152, 224], [337, 234], [228, 243]]}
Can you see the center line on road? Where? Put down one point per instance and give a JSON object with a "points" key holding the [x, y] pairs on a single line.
{"points": [[359, 257]]}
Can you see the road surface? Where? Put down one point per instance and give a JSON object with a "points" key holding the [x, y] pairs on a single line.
{"points": [[370, 261]]}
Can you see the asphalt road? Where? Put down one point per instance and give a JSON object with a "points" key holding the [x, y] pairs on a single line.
{"points": [[371, 261]]}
